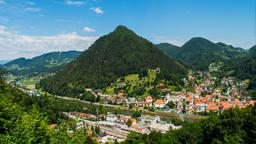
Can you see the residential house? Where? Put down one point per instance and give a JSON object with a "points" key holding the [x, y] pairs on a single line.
{"points": [[159, 103]]}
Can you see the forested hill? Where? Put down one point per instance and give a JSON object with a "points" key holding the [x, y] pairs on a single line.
{"points": [[117, 54], [169, 49], [245, 68], [252, 51], [199, 52], [46, 63]]}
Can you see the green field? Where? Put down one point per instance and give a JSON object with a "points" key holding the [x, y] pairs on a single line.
{"points": [[132, 80]]}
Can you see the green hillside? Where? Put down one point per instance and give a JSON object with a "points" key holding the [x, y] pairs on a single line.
{"points": [[199, 52], [169, 49], [120, 53], [245, 68], [46, 63], [133, 85]]}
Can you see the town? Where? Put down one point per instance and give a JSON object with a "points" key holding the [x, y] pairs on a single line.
{"points": [[201, 94]]}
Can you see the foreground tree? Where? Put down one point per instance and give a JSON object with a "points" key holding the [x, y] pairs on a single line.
{"points": [[232, 126]]}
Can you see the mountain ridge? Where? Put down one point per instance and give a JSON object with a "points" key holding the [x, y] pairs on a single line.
{"points": [[199, 52], [45, 63]]}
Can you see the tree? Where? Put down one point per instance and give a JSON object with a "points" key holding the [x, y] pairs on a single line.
{"points": [[232, 126], [140, 91], [143, 72], [171, 105], [136, 114], [88, 96]]}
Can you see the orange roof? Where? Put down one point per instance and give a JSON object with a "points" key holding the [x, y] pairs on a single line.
{"points": [[203, 99], [147, 103], [189, 96], [137, 127], [84, 115], [196, 101], [188, 100], [181, 94], [149, 97], [159, 101], [121, 94], [89, 132], [225, 105], [212, 107]]}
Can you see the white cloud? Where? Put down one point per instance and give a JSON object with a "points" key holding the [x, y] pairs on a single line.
{"points": [[2, 2], [88, 29], [13, 45], [97, 10], [74, 3], [32, 9]]}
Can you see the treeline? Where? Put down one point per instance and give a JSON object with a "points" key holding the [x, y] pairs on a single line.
{"points": [[32, 120], [234, 126]]}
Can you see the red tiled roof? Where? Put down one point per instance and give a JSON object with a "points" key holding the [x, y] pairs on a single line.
{"points": [[146, 103], [159, 101], [225, 105], [212, 107], [188, 100], [121, 94]]}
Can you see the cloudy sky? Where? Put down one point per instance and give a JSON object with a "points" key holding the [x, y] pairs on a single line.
{"points": [[32, 27]]}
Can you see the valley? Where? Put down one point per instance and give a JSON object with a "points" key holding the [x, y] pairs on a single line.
{"points": [[124, 87]]}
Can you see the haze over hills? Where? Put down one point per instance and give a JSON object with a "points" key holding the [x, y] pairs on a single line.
{"points": [[46, 63], [199, 52], [117, 54]]}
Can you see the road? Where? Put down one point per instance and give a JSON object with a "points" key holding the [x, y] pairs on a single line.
{"points": [[97, 104]]}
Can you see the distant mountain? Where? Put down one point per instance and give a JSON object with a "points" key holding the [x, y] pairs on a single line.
{"points": [[169, 49], [244, 67], [199, 52], [46, 63], [117, 54]]}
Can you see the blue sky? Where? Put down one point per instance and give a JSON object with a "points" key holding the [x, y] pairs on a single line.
{"points": [[32, 27]]}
